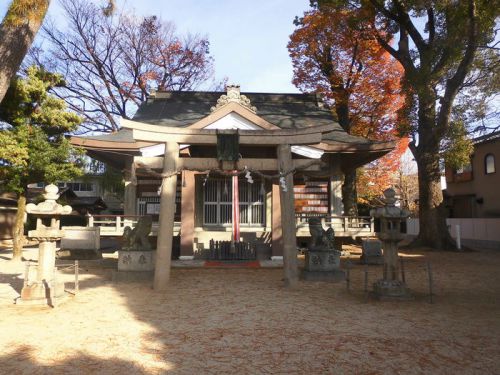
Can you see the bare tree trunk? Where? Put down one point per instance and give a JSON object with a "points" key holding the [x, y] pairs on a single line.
{"points": [[17, 32], [432, 214], [350, 194], [17, 251], [349, 190]]}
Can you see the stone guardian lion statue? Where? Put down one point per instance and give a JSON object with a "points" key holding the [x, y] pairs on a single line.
{"points": [[137, 238]]}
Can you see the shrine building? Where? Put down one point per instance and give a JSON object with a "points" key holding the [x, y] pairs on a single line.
{"points": [[219, 156]]}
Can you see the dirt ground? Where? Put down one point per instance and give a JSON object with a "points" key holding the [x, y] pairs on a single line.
{"points": [[243, 321]]}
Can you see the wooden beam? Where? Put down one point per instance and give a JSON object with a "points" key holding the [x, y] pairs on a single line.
{"points": [[159, 129], [156, 162], [205, 138], [166, 222], [290, 266]]}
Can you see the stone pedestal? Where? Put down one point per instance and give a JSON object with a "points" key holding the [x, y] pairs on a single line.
{"points": [[372, 252], [42, 293], [43, 289], [323, 266], [387, 290], [136, 261], [135, 265]]}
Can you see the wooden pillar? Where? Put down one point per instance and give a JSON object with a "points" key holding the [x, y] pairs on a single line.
{"points": [[187, 214], [288, 225], [276, 230], [130, 196], [166, 223]]}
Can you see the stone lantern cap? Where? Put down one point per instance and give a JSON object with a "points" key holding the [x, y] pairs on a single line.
{"points": [[49, 207], [390, 210]]}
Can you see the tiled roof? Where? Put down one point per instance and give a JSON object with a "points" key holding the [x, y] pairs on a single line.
{"points": [[486, 137], [180, 109], [287, 111]]}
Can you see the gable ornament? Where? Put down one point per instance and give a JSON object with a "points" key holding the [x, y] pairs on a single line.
{"points": [[233, 95]]}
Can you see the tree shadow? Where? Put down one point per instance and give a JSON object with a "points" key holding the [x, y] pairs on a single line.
{"points": [[14, 280], [208, 321], [22, 361]]}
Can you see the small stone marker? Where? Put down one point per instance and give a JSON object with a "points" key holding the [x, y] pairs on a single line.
{"points": [[372, 252]]}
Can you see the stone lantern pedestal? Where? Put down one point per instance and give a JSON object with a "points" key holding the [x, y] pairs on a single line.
{"points": [[390, 287], [44, 289]]}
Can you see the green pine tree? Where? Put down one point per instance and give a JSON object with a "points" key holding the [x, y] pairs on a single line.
{"points": [[33, 147]]}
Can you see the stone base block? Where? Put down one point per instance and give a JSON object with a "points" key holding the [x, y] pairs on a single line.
{"points": [[263, 252], [372, 251], [42, 294], [136, 260], [78, 254], [329, 276], [391, 290], [322, 261], [373, 260], [132, 276]]}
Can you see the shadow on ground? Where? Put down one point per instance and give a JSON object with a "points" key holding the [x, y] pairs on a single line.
{"points": [[243, 321], [23, 361], [15, 280]]}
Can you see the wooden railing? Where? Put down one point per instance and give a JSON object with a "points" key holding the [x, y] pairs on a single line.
{"points": [[342, 225], [113, 225]]}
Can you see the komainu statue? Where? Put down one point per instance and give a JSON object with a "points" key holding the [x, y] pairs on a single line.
{"points": [[138, 237], [321, 240]]}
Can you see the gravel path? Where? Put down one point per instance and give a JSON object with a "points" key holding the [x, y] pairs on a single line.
{"points": [[242, 321]]}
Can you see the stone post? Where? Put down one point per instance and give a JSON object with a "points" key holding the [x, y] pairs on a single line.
{"points": [[288, 225], [130, 196], [46, 260], [390, 216], [166, 222]]}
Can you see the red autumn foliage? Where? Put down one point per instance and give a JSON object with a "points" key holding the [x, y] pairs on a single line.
{"points": [[355, 76]]}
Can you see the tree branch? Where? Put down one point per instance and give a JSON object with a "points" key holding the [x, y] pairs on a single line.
{"points": [[454, 83]]}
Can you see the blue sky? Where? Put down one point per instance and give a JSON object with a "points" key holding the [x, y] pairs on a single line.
{"points": [[247, 38]]}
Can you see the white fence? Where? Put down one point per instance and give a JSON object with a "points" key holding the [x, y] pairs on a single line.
{"points": [[480, 232], [344, 226]]}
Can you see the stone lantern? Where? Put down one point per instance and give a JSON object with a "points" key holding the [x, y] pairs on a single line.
{"points": [[44, 288], [391, 219]]}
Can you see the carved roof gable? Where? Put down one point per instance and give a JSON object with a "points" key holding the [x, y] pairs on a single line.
{"points": [[233, 95]]}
